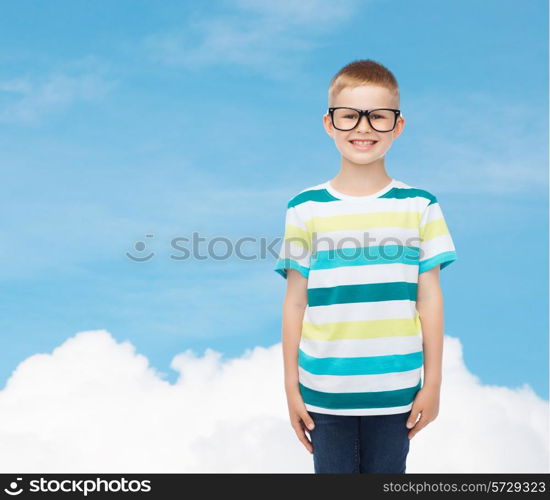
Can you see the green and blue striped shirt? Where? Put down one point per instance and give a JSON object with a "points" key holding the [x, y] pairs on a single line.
{"points": [[360, 350]]}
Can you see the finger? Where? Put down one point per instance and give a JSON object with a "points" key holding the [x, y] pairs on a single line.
{"points": [[307, 420], [422, 422], [411, 421], [299, 429]]}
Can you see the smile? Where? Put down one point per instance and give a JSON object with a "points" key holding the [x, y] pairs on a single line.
{"points": [[363, 145]]}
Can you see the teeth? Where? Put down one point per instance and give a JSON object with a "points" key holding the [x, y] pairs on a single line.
{"points": [[363, 143]]}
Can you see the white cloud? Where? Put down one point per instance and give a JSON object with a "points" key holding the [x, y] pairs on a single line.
{"points": [[27, 99], [96, 405], [270, 37], [479, 144], [324, 12]]}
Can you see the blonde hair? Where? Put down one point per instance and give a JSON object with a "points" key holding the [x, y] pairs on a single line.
{"points": [[363, 72]]}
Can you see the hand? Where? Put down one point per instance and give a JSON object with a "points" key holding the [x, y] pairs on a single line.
{"points": [[300, 418], [426, 403]]}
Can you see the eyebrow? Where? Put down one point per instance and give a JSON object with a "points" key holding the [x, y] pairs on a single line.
{"points": [[374, 107]]}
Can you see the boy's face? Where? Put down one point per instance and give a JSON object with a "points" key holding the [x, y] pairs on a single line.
{"points": [[363, 97]]}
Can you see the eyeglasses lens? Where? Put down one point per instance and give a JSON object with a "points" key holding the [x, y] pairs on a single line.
{"points": [[381, 120]]}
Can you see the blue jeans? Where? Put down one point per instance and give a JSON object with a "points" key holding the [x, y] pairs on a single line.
{"points": [[355, 444]]}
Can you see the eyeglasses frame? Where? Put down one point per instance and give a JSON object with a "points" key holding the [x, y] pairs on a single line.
{"points": [[362, 112]]}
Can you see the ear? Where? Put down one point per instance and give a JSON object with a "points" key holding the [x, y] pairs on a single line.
{"points": [[327, 124], [399, 126]]}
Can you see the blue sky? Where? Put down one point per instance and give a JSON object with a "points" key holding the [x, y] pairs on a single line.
{"points": [[125, 119]]}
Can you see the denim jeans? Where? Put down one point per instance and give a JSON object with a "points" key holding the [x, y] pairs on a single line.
{"points": [[355, 444]]}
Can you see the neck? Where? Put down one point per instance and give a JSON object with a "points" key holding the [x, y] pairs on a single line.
{"points": [[356, 179]]}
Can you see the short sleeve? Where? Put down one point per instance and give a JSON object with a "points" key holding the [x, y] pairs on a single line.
{"points": [[295, 251], [436, 243]]}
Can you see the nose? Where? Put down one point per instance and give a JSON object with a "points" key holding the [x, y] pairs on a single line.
{"points": [[363, 123]]}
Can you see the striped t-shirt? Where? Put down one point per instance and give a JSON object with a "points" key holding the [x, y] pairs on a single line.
{"points": [[360, 350]]}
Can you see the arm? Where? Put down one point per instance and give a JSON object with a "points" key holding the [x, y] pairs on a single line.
{"points": [[294, 306], [429, 305]]}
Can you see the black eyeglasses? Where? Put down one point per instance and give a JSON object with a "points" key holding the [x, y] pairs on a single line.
{"points": [[380, 119]]}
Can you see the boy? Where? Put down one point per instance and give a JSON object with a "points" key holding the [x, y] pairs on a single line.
{"points": [[363, 310]]}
